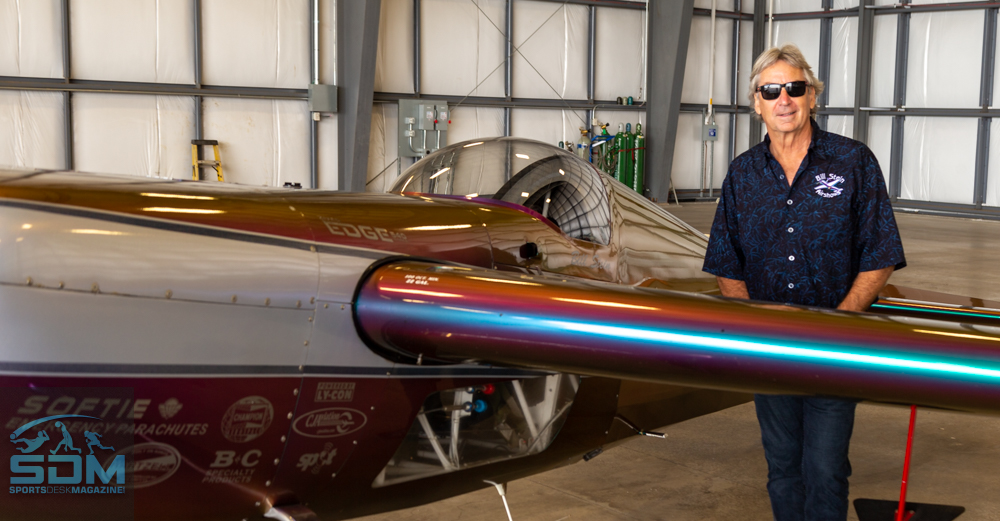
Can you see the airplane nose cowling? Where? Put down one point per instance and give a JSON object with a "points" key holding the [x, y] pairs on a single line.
{"points": [[456, 314]]}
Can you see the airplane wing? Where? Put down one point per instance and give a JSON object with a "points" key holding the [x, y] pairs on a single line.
{"points": [[432, 312]]}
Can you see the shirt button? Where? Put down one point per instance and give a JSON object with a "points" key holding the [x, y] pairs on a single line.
{"points": [[791, 286], [781, 177], [790, 229], [791, 257], [789, 201]]}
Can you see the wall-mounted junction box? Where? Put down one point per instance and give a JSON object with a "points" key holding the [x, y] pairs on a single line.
{"points": [[422, 127]]}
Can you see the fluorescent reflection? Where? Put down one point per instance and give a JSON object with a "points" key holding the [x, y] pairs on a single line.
{"points": [[180, 210], [525, 194], [472, 195], [86, 231], [522, 156], [481, 312], [403, 189], [959, 335], [439, 172], [562, 172], [605, 304], [502, 281], [422, 292], [726, 344], [473, 144], [437, 228], [179, 196], [25, 226]]}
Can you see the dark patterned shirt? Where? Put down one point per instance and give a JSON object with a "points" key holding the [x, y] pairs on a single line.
{"points": [[804, 244]]}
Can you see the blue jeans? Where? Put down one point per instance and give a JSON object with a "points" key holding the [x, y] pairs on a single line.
{"points": [[806, 441]]}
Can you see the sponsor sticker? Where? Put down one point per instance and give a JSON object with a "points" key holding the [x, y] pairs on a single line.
{"points": [[335, 392], [170, 408], [247, 419], [154, 463], [329, 423]]}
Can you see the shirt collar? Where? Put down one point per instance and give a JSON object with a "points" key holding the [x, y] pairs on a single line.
{"points": [[817, 135]]}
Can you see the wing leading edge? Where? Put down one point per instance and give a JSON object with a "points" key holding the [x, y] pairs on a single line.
{"points": [[431, 312]]}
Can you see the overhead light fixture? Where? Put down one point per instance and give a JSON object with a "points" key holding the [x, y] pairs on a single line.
{"points": [[439, 172]]}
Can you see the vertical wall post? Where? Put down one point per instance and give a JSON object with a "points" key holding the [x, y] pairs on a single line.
{"points": [[985, 100], [863, 74], [199, 123], [67, 96], [899, 100], [759, 26], [669, 30], [734, 82], [416, 48], [314, 79], [357, 41], [508, 72], [825, 44]]}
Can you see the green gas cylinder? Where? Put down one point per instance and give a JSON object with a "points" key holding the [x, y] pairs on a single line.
{"points": [[620, 153], [629, 169], [638, 178]]}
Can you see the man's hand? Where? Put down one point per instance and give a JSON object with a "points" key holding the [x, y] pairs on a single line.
{"points": [[866, 286], [733, 288]]}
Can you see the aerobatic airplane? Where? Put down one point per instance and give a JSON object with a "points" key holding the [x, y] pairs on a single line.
{"points": [[194, 350]]}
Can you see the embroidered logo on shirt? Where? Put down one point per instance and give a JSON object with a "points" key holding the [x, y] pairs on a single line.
{"points": [[827, 186]]}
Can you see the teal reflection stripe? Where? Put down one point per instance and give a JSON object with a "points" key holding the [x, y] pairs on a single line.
{"points": [[889, 307], [746, 346]]}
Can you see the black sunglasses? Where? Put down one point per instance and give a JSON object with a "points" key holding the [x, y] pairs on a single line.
{"points": [[771, 91]]}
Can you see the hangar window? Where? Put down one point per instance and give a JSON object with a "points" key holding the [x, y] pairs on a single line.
{"points": [[552, 182]]}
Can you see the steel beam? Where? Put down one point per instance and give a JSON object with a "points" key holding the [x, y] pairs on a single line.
{"points": [[536, 103], [621, 4], [67, 96], [154, 89], [357, 41], [591, 50], [899, 100], [985, 100], [759, 26], [669, 29], [508, 64], [725, 15], [863, 71], [314, 79], [825, 38], [416, 48], [904, 6], [199, 124], [734, 82]]}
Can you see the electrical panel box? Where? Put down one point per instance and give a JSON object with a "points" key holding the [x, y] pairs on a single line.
{"points": [[710, 132], [423, 126], [322, 98]]}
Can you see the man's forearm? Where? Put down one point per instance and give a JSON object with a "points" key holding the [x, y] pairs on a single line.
{"points": [[866, 286], [733, 288]]}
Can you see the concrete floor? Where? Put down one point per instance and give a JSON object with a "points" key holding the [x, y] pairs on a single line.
{"points": [[713, 467]]}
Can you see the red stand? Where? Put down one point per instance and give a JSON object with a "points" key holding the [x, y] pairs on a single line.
{"points": [[881, 510], [901, 513]]}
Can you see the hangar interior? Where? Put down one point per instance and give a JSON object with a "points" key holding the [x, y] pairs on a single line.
{"points": [[74, 97], [124, 86]]}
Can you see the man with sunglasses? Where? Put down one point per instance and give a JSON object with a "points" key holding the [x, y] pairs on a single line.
{"points": [[805, 219]]}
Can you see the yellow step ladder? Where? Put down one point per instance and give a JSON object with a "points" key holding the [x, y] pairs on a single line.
{"points": [[198, 164]]}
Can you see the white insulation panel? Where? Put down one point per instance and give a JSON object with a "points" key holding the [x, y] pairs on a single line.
{"points": [[944, 47], [462, 47], [394, 57], [547, 125], [551, 56], [880, 142], [939, 159], [843, 62], [696, 69], [883, 61], [133, 134], [262, 142], [686, 172], [132, 40], [30, 38], [802, 33], [31, 129], [842, 125], [382, 148], [620, 57], [256, 43]]}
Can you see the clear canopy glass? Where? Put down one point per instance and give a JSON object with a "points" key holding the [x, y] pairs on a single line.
{"points": [[560, 186]]}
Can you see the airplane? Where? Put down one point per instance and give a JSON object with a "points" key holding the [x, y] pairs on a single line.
{"points": [[236, 352]]}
